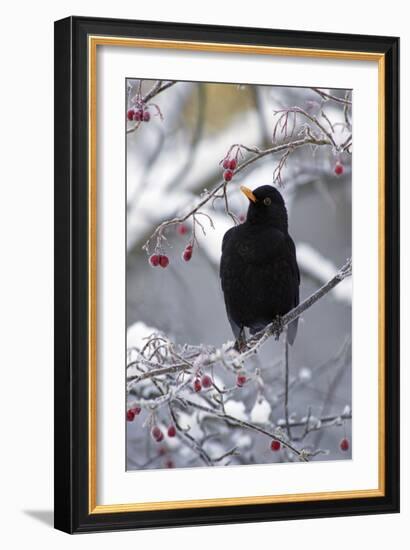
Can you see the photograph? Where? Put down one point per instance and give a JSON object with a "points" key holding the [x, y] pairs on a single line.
{"points": [[238, 274], [227, 274]]}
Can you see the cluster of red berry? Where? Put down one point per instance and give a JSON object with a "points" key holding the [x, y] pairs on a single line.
{"points": [[163, 260], [159, 259], [132, 413], [139, 115], [204, 382], [229, 166], [157, 434]]}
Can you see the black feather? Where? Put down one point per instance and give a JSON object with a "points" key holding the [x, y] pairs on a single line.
{"points": [[259, 271]]}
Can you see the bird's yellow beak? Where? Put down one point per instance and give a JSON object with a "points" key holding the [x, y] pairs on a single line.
{"points": [[246, 191]]}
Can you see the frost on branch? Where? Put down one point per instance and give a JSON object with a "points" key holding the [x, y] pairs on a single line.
{"points": [[264, 404], [187, 379]]}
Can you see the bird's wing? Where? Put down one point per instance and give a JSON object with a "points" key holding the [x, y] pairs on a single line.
{"points": [[226, 238], [283, 250], [293, 327], [294, 266], [225, 279]]}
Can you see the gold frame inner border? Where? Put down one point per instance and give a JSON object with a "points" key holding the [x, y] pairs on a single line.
{"points": [[93, 42]]}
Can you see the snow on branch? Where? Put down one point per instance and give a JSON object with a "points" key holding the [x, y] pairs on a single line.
{"points": [[220, 191], [185, 377], [315, 130], [277, 326]]}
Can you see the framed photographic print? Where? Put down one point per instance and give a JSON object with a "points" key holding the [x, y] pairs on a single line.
{"points": [[226, 274]]}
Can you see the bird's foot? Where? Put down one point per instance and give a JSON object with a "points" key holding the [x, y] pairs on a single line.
{"points": [[277, 326], [240, 344]]}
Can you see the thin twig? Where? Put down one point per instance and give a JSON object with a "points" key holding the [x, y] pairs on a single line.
{"points": [[258, 154], [155, 90], [157, 372], [253, 344], [248, 425], [326, 95]]}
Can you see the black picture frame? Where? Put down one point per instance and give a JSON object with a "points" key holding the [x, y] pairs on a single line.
{"points": [[71, 417]]}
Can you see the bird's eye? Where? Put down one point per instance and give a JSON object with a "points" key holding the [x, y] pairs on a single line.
{"points": [[267, 201]]}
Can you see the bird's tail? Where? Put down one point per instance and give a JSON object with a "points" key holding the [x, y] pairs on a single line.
{"points": [[292, 331]]}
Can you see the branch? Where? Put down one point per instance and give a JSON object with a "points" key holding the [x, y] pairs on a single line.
{"points": [[156, 372], [163, 375], [326, 95], [258, 154], [249, 426], [178, 366], [327, 419], [298, 110], [230, 358], [277, 326], [155, 90]]}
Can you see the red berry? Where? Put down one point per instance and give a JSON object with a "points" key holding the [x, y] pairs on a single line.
{"points": [[197, 385], [163, 261], [172, 432], [344, 444], [182, 229], [206, 381], [146, 116], [232, 164], [130, 415], [339, 168], [226, 163], [138, 115], [154, 260], [228, 174], [130, 114], [241, 380], [136, 410], [157, 434], [187, 254], [275, 445], [169, 463]]}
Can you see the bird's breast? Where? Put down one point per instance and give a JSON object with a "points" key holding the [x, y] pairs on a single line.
{"points": [[256, 277]]}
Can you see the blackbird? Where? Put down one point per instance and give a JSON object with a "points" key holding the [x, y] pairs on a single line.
{"points": [[259, 271]]}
